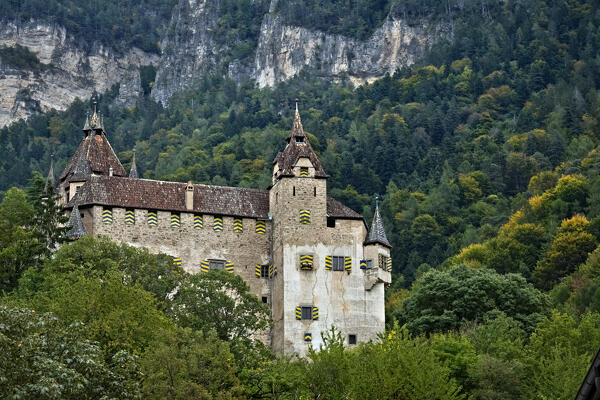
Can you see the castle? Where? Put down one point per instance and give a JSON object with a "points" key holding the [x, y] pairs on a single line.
{"points": [[308, 256]]}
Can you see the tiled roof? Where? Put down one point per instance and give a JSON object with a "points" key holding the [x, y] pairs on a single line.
{"points": [[589, 389], [287, 159], [98, 155], [76, 224], [170, 196], [377, 231]]}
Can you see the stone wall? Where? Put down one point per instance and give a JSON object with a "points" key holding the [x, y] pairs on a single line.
{"points": [[244, 249]]}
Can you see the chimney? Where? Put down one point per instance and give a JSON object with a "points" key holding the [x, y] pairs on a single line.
{"points": [[189, 196], [110, 171]]}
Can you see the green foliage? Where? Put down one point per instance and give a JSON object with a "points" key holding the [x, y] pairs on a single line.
{"points": [[446, 300], [21, 57], [44, 358]]}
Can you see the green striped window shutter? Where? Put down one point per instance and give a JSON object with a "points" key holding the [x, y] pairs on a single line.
{"points": [[198, 222], [388, 264], [107, 216], [257, 269], [328, 263], [315, 313], [229, 267], [305, 216], [298, 312], [177, 261], [348, 263], [129, 217], [204, 266], [238, 225], [261, 227], [175, 220], [363, 264], [218, 224], [306, 262], [152, 218]]}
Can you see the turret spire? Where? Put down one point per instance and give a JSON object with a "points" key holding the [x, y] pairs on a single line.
{"points": [[377, 231], [76, 224], [50, 180], [133, 173]]}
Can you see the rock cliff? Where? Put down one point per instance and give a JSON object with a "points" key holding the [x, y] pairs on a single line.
{"points": [[62, 72]]}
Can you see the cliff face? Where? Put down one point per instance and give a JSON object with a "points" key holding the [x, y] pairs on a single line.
{"points": [[283, 51], [64, 71]]}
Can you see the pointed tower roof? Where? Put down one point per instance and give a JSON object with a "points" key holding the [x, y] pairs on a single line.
{"points": [[377, 231], [133, 171], [76, 224], [94, 155], [297, 147], [50, 180]]}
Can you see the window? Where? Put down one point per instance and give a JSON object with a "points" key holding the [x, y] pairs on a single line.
{"points": [[338, 263], [308, 337], [382, 261], [315, 191], [303, 171], [306, 262], [264, 271], [307, 312], [351, 339], [330, 222], [264, 299], [216, 264], [299, 139], [293, 190]]}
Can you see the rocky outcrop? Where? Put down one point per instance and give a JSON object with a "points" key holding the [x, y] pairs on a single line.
{"points": [[65, 71], [282, 50]]}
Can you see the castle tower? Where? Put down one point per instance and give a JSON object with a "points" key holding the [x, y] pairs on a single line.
{"points": [[94, 156]]}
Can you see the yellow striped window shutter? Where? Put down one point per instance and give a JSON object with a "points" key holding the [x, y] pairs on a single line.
{"points": [[328, 263], [152, 218], [204, 266], [305, 216], [257, 269], [229, 267], [261, 227], [177, 261], [306, 262], [107, 216], [129, 217], [363, 264], [218, 224], [298, 312], [348, 264], [175, 220], [308, 337], [303, 171], [388, 264], [238, 225], [198, 222], [315, 313]]}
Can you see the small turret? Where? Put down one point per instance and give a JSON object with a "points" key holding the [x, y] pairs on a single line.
{"points": [[377, 232], [50, 180], [133, 173], [76, 224]]}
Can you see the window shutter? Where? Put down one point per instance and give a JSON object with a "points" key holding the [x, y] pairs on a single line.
{"points": [[175, 221], [306, 262], [308, 337], [388, 264], [129, 217], [363, 264], [177, 261], [303, 171], [315, 313], [257, 270], [204, 266], [328, 263], [260, 227], [305, 216], [107, 216], [348, 264], [198, 222], [229, 267], [152, 218], [218, 224], [298, 312], [238, 226]]}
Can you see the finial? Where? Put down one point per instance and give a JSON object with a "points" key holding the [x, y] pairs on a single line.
{"points": [[376, 201], [95, 103], [297, 100]]}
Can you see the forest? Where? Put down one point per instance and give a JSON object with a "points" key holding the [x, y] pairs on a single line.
{"points": [[485, 155]]}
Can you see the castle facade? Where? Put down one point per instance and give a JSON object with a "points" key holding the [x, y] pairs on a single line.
{"points": [[308, 256]]}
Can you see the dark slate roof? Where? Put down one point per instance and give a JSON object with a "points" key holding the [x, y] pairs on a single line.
{"points": [[97, 154], [287, 159], [590, 388], [76, 224], [149, 194], [377, 231]]}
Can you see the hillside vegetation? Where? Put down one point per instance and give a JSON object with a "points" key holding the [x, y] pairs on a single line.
{"points": [[487, 158]]}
